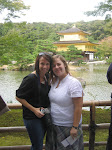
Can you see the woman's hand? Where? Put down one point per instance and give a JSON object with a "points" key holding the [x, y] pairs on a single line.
{"points": [[38, 113], [73, 132]]}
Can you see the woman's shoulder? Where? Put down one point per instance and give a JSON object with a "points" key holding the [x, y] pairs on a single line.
{"points": [[73, 82], [29, 77], [72, 79], [32, 75]]}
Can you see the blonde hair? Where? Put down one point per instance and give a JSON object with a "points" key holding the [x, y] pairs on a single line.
{"points": [[53, 76]]}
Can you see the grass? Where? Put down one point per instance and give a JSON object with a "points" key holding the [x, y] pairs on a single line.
{"points": [[14, 118], [18, 138]]}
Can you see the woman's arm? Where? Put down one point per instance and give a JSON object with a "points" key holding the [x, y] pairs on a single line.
{"points": [[78, 103], [36, 111]]}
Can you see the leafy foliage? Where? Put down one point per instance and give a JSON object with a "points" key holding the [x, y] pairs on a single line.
{"points": [[98, 29], [105, 48], [110, 59], [13, 7], [72, 54], [44, 45], [101, 9]]}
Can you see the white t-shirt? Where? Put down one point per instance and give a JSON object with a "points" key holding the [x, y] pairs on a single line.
{"points": [[62, 106]]}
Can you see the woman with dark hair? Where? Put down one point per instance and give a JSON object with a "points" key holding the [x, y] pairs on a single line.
{"points": [[33, 95]]}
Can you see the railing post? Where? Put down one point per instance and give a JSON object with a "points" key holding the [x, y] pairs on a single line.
{"points": [[92, 127]]}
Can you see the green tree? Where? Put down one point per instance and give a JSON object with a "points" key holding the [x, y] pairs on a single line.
{"points": [[108, 28], [44, 46], [13, 7], [102, 9], [72, 54], [105, 48], [14, 46], [110, 59], [100, 54], [98, 29]]}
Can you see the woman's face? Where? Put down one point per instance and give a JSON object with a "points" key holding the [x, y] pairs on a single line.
{"points": [[59, 68], [44, 66]]}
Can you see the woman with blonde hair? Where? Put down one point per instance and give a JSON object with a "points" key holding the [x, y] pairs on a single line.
{"points": [[66, 98]]}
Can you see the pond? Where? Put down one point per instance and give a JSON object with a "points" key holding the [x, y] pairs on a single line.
{"points": [[97, 86]]}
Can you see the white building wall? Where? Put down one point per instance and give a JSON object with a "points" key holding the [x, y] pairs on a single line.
{"points": [[91, 56], [70, 37]]}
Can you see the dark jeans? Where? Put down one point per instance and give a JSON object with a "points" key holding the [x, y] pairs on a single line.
{"points": [[36, 133]]}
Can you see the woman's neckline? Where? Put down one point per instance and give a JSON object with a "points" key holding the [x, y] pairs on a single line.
{"points": [[61, 81], [42, 79]]}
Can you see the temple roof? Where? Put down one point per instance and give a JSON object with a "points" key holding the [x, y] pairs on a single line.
{"points": [[73, 42], [72, 30]]}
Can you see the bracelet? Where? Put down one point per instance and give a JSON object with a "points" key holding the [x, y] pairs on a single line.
{"points": [[75, 127]]}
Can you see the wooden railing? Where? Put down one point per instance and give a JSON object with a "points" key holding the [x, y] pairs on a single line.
{"points": [[91, 127]]}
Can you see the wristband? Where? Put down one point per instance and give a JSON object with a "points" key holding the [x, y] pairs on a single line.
{"points": [[75, 127]]}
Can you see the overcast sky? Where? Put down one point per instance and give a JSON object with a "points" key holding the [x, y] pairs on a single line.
{"points": [[59, 11]]}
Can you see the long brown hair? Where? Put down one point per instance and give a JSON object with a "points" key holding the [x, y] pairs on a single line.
{"points": [[45, 55]]}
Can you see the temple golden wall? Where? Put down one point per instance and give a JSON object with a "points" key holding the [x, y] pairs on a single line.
{"points": [[80, 47]]}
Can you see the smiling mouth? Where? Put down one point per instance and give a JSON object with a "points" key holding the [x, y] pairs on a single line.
{"points": [[58, 71], [45, 70]]}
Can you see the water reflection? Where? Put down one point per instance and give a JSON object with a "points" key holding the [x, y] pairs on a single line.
{"points": [[97, 87], [10, 81]]}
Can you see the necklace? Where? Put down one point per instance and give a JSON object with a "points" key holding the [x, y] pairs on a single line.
{"points": [[42, 79]]}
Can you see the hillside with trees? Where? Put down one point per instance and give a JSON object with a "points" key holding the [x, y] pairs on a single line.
{"points": [[21, 42]]}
